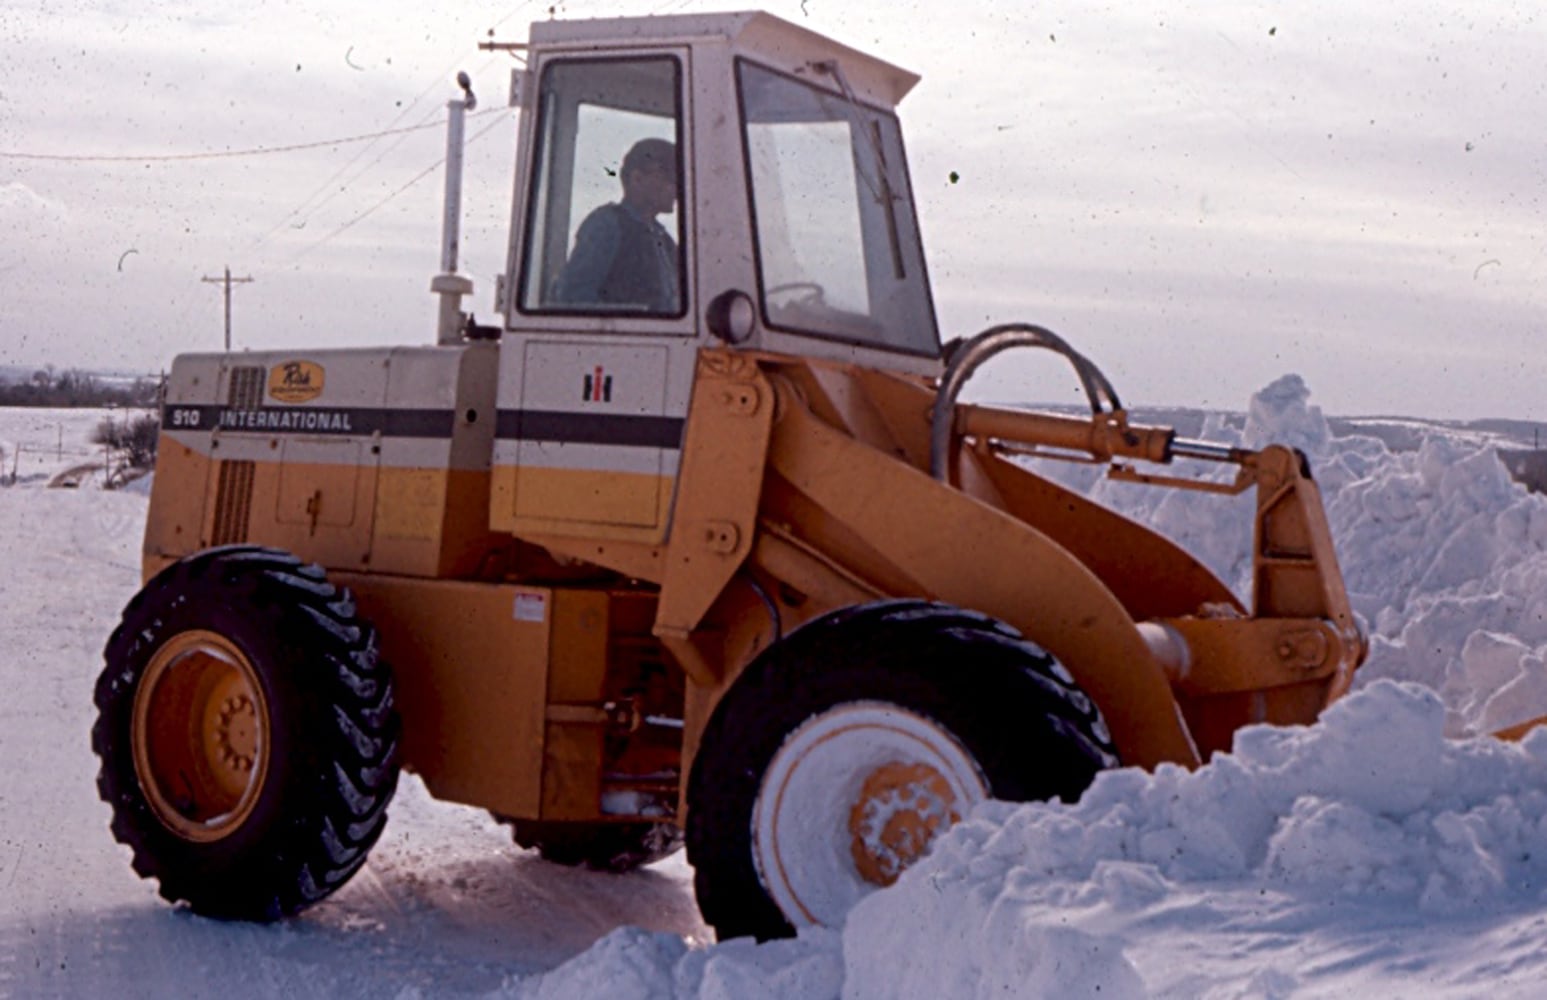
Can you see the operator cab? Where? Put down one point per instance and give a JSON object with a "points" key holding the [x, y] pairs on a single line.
{"points": [[792, 185], [785, 224]]}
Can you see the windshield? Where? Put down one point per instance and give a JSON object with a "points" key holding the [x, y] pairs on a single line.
{"points": [[837, 241]]}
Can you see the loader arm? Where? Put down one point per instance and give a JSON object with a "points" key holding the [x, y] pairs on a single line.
{"points": [[809, 481], [840, 493], [1297, 649], [772, 492]]}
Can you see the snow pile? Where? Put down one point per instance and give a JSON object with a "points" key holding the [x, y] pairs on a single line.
{"points": [[1447, 558], [1372, 805], [631, 964], [1370, 816]]}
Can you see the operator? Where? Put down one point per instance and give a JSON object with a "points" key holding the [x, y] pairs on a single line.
{"points": [[623, 257]]}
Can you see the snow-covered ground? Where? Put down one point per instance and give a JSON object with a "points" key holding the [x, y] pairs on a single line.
{"points": [[1369, 855], [38, 445]]}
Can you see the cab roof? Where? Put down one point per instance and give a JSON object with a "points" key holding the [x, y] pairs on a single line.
{"points": [[751, 33]]}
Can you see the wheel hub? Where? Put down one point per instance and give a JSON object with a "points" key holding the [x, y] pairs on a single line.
{"points": [[854, 796], [200, 735], [900, 809], [236, 734]]}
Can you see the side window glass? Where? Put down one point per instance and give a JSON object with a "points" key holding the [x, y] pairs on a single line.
{"points": [[604, 228]]}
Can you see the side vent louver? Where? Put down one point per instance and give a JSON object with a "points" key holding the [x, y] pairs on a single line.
{"points": [[233, 492], [246, 388], [233, 503]]}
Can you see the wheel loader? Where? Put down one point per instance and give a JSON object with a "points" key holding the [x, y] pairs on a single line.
{"points": [[721, 558]]}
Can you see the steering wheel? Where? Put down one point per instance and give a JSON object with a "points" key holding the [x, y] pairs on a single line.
{"points": [[800, 292]]}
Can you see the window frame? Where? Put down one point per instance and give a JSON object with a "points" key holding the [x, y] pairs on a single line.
{"points": [[534, 252]]}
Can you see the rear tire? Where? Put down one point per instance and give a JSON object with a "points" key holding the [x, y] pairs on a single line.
{"points": [[844, 749], [602, 847], [246, 733]]}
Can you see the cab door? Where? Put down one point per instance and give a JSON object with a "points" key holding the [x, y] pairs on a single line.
{"points": [[597, 365]]}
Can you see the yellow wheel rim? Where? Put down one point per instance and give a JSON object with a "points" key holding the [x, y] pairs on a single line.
{"points": [[201, 736]]}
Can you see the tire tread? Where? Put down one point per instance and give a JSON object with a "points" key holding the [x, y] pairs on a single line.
{"points": [[980, 677], [329, 820]]}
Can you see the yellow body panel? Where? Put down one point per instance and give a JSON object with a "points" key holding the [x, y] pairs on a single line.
{"points": [[432, 522], [622, 506], [573, 766], [413, 521], [176, 517], [470, 661], [508, 693]]}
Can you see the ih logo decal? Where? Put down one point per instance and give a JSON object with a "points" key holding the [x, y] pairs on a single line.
{"points": [[295, 381], [597, 387]]}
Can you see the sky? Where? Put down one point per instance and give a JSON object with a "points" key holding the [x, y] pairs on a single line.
{"points": [[1201, 197]]}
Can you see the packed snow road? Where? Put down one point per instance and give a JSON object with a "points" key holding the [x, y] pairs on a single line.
{"points": [[447, 904]]}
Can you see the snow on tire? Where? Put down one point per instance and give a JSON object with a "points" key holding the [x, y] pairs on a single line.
{"points": [[842, 751], [246, 732]]}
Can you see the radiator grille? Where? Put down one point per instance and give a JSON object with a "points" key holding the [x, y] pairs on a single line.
{"points": [[246, 388], [233, 503]]}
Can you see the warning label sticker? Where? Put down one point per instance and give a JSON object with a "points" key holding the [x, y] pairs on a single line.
{"points": [[530, 608]]}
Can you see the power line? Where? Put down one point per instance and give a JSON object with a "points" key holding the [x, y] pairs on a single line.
{"points": [[427, 171], [228, 154], [310, 204], [307, 206]]}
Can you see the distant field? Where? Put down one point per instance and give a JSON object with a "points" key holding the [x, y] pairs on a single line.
{"points": [[38, 443]]}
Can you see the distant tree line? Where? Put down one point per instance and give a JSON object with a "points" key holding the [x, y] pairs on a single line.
{"points": [[73, 387]]}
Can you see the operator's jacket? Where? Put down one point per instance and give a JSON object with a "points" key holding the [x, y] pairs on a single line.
{"points": [[621, 259]]}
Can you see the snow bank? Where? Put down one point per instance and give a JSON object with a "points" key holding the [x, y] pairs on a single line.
{"points": [[1372, 810], [1300, 841], [1445, 557], [1371, 805], [631, 964]]}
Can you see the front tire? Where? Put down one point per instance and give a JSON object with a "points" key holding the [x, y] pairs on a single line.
{"points": [[246, 733], [840, 754]]}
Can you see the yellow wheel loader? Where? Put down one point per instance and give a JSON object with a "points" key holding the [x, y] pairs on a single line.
{"points": [[696, 544]]}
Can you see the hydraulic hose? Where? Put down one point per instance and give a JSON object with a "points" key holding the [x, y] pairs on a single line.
{"points": [[966, 359]]}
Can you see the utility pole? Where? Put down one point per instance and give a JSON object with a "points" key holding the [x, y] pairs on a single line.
{"points": [[228, 281]]}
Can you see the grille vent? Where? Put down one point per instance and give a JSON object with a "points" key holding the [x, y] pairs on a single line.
{"points": [[246, 388], [233, 502]]}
